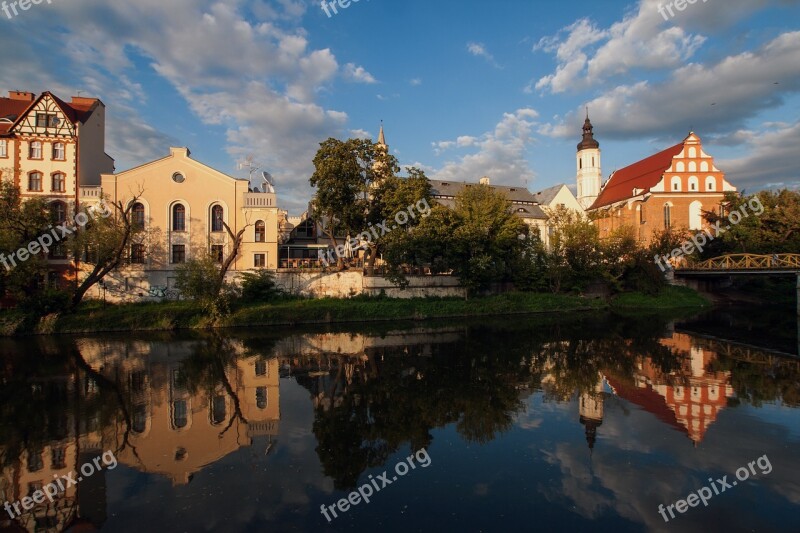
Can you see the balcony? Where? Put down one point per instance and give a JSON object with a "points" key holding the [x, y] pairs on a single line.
{"points": [[259, 199], [90, 193]]}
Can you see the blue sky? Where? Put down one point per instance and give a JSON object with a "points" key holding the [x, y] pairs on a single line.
{"points": [[465, 88]]}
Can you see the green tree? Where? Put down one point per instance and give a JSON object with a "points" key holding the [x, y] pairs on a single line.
{"points": [[20, 224], [345, 174]]}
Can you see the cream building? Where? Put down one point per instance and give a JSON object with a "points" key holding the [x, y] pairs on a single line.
{"points": [[184, 206], [54, 150]]}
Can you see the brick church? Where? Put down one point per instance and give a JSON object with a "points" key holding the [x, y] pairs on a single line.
{"points": [[670, 189]]}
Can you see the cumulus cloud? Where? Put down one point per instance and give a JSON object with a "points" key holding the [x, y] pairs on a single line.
{"points": [[243, 66], [499, 154], [715, 98], [771, 161]]}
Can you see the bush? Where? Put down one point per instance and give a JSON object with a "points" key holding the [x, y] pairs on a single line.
{"points": [[259, 286], [46, 302], [197, 278]]}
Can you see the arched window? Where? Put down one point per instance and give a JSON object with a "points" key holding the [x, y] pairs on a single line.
{"points": [[667, 215], [216, 218], [35, 181], [704, 166], [35, 150], [138, 215], [711, 183], [694, 184], [58, 212], [261, 232], [179, 414], [692, 152], [139, 418], [580, 163], [676, 183], [178, 217], [695, 216], [692, 166], [680, 167], [58, 182]]}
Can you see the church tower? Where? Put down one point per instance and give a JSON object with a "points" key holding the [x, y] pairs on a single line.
{"points": [[591, 411], [588, 166]]}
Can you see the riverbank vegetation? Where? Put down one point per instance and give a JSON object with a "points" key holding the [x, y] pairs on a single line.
{"points": [[95, 316]]}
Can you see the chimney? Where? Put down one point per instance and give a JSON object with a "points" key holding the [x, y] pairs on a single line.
{"points": [[83, 101], [486, 181], [21, 95]]}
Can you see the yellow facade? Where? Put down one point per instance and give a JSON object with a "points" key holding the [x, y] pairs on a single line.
{"points": [[182, 201]]}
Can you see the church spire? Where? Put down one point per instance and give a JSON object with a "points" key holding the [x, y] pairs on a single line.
{"points": [[381, 136], [588, 140]]}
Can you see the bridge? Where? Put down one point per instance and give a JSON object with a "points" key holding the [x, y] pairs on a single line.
{"points": [[743, 264]]}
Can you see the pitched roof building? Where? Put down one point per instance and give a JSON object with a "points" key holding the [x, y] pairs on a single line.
{"points": [[670, 189]]}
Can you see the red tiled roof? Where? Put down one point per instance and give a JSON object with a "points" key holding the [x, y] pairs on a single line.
{"points": [[642, 175], [648, 399], [14, 108], [11, 109]]}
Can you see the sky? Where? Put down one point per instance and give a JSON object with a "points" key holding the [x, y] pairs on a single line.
{"points": [[464, 88]]}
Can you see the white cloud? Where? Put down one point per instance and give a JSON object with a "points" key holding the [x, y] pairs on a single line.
{"points": [[588, 55], [479, 50], [710, 99], [358, 74], [416, 82], [499, 154]]}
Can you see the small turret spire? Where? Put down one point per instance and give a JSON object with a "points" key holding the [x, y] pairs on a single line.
{"points": [[381, 136]]}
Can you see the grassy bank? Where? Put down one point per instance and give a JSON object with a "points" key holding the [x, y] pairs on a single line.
{"points": [[96, 317]]}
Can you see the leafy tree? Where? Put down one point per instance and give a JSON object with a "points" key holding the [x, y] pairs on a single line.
{"points": [[20, 224], [104, 244], [345, 174]]}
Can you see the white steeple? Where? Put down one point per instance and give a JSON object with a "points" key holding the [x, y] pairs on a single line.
{"points": [[588, 166]]}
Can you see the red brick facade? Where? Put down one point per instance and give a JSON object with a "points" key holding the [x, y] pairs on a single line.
{"points": [[669, 189]]}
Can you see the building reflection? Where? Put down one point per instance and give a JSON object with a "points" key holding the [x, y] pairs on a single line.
{"points": [[688, 398], [165, 410]]}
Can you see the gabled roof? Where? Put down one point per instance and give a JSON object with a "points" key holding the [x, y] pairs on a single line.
{"points": [[452, 188], [548, 195], [642, 175], [73, 111]]}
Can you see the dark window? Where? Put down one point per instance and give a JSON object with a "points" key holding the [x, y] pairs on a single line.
{"points": [[217, 252], [261, 368], [35, 181], [259, 260], [138, 215], [179, 415], [261, 233], [139, 418], [216, 218], [261, 397], [667, 216], [35, 462], [58, 251], [58, 182], [178, 218], [59, 458], [137, 254], [218, 410], [178, 253], [58, 212], [138, 381], [45, 120]]}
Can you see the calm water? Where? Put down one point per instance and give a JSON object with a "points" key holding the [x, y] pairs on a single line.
{"points": [[582, 423]]}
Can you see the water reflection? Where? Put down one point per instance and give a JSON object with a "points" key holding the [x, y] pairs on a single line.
{"points": [[171, 407]]}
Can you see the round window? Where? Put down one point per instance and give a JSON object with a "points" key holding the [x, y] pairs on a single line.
{"points": [[178, 177]]}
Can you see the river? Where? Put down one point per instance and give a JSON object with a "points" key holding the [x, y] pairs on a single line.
{"points": [[585, 422]]}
